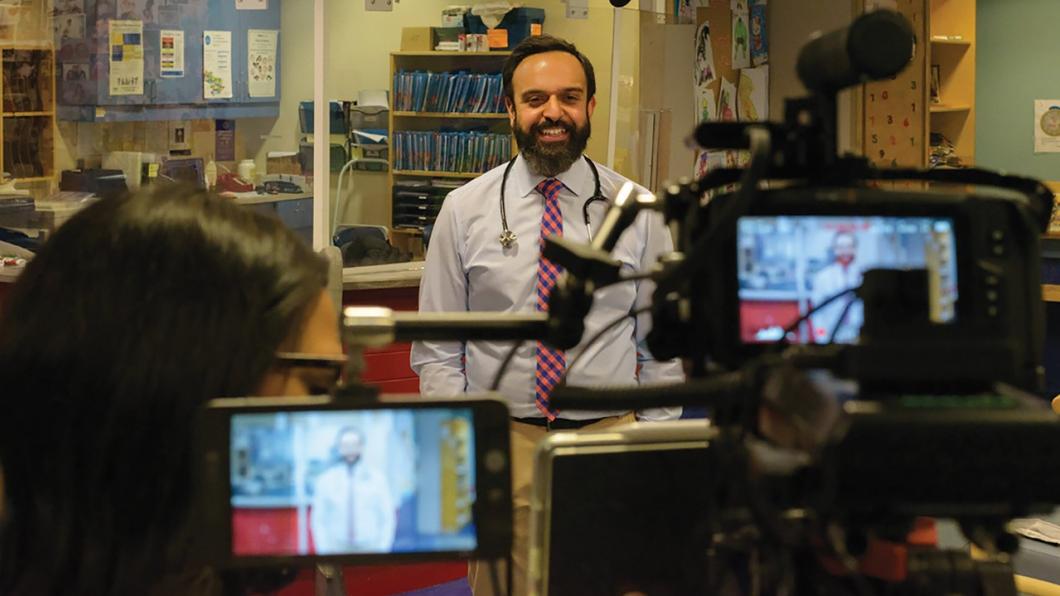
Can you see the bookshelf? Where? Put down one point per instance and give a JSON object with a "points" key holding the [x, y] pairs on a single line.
{"points": [[27, 92], [951, 60], [414, 195]]}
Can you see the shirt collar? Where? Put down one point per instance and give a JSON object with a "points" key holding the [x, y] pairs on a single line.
{"points": [[578, 178]]}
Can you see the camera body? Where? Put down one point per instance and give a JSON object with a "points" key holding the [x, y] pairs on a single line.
{"points": [[979, 315]]}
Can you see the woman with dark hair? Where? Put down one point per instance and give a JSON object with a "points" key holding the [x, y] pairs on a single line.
{"points": [[135, 313]]}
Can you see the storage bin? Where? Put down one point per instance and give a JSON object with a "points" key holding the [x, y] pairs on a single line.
{"points": [[518, 22]]}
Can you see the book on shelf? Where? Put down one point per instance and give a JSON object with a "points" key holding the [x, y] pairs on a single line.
{"points": [[458, 151], [448, 92]]}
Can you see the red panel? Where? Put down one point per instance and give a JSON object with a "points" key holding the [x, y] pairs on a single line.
{"points": [[409, 385], [759, 314], [391, 362], [395, 298], [265, 530], [383, 581]]}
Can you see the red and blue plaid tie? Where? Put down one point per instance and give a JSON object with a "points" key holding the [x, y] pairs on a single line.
{"points": [[550, 362]]}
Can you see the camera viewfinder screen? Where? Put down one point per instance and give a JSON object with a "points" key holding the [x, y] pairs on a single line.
{"points": [[336, 482], [789, 264]]}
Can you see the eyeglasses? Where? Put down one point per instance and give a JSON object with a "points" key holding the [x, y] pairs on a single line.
{"points": [[320, 372]]}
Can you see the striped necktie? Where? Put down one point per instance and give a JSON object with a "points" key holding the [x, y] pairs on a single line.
{"points": [[550, 363]]}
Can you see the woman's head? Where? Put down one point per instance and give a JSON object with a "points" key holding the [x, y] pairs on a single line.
{"points": [[137, 311]]}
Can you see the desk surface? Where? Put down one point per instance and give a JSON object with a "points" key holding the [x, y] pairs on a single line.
{"points": [[254, 198], [372, 277]]}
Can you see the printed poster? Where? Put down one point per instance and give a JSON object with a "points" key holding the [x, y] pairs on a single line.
{"points": [[753, 92], [261, 62], [706, 106], [69, 26], [225, 140], [217, 64], [252, 4], [686, 12], [126, 57], [171, 54], [1047, 126], [759, 34], [727, 101], [741, 36], [704, 72]]}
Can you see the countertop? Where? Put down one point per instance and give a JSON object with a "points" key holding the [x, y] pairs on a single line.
{"points": [[373, 277]]}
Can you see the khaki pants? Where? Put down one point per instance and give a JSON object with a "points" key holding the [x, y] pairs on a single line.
{"points": [[524, 440]]}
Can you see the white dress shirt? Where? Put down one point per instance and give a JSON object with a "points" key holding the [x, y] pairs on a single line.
{"points": [[353, 511], [829, 281], [467, 269]]}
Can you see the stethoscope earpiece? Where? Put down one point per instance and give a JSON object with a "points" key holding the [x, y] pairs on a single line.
{"points": [[508, 237]]}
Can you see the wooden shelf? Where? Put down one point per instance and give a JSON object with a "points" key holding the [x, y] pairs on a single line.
{"points": [[407, 231], [1050, 293], [26, 114], [467, 115], [8, 44], [432, 174], [942, 41], [454, 54], [944, 109], [34, 179]]}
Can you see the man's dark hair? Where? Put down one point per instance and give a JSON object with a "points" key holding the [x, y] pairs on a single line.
{"points": [[136, 312], [540, 44]]}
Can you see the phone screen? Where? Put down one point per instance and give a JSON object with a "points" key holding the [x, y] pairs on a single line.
{"points": [[337, 482]]}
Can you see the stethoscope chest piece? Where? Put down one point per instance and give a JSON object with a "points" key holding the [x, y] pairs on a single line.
{"points": [[508, 238]]}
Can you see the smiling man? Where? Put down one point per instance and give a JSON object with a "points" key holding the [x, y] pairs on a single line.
{"points": [[485, 255]]}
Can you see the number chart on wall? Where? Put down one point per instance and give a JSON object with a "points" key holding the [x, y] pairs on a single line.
{"points": [[895, 126]]}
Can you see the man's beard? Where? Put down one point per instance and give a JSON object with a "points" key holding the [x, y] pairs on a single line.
{"points": [[551, 159]]}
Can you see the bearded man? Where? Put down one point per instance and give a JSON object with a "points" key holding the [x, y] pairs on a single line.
{"points": [[485, 255]]}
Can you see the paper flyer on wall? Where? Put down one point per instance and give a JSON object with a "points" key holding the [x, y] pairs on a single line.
{"points": [[217, 64], [261, 62], [727, 101], [171, 54], [126, 57], [741, 35], [706, 106], [252, 4], [704, 72], [753, 93], [759, 33], [1047, 126]]}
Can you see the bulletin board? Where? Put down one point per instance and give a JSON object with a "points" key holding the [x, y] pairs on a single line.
{"points": [[895, 116], [727, 90]]}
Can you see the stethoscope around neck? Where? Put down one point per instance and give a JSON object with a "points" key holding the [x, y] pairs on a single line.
{"points": [[508, 237]]}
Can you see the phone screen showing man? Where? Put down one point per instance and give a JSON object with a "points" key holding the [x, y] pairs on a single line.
{"points": [[334, 482]]}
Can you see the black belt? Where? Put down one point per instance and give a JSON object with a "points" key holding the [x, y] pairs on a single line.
{"points": [[560, 423]]}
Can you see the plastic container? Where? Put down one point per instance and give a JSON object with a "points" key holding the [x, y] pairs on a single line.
{"points": [[247, 170], [518, 22]]}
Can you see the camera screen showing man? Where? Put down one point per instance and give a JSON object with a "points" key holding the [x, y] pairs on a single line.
{"points": [[842, 318], [335, 482], [353, 510], [790, 265]]}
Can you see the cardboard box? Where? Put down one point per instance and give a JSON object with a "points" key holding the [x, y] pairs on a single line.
{"points": [[283, 162], [416, 39]]}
